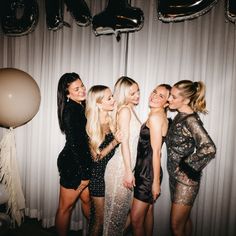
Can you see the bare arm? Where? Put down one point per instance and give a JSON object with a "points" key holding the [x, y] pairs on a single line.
{"points": [[155, 125], [124, 117], [112, 145]]}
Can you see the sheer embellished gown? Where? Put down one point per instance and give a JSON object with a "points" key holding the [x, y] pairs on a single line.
{"points": [[189, 150], [118, 199]]}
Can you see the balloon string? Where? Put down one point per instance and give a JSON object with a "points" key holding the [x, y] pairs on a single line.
{"points": [[126, 53], [9, 175]]}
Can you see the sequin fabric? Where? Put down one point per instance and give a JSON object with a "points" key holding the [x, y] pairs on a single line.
{"points": [[117, 197], [97, 186], [189, 150], [97, 183], [74, 160]]}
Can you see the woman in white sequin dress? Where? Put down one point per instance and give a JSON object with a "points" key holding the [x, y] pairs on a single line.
{"points": [[119, 178]]}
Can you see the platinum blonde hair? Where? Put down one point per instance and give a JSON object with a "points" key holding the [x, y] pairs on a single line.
{"points": [[121, 91], [93, 127]]}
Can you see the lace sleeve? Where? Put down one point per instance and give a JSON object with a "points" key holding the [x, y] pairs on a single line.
{"points": [[205, 149]]}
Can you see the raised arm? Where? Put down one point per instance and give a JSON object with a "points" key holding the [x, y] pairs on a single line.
{"points": [[155, 125], [124, 117]]}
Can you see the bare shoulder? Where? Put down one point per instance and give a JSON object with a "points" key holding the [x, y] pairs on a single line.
{"points": [[124, 112], [156, 117]]}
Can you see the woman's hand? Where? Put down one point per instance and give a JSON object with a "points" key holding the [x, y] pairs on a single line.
{"points": [[156, 190], [129, 180]]}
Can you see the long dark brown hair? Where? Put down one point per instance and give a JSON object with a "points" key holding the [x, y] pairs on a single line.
{"points": [[62, 92]]}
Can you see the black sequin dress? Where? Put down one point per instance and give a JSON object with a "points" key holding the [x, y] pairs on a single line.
{"points": [[189, 150], [75, 159], [97, 182], [144, 167]]}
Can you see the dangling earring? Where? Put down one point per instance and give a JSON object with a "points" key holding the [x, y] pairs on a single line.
{"points": [[68, 99]]}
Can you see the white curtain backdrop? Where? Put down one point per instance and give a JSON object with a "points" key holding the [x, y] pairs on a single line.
{"points": [[200, 49]]}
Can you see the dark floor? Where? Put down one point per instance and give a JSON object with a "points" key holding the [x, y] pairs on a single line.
{"points": [[29, 227], [32, 227]]}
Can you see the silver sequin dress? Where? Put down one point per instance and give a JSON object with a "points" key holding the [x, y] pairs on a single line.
{"points": [[189, 150], [118, 199]]}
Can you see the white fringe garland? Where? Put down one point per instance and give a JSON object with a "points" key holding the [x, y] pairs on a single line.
{"points": [[9, 175]]}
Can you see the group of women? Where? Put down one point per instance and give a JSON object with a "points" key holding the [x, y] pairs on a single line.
{"points": [[112, 162]]}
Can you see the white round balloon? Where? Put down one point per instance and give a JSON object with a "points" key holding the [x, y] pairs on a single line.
{"points": [[19, 97]]}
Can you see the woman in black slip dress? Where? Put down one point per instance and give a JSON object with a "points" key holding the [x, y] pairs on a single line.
{"points": [[148, 172], [102, 144], [74, 160]]}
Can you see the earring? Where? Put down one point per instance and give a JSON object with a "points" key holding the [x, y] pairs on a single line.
{"points": [[68, 99]]}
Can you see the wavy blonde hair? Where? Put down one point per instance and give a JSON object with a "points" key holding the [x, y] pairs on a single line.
{"points": [[121, 91], [195, 92], [93, 127]]}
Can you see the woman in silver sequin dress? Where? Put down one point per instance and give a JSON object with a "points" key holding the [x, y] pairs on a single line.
{"points": [[119, 177], [103, 143], [189, 150]]}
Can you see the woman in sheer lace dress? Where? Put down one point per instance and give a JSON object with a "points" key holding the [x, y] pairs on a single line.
{"points": [[103, 143], [119, 178], [148, 171], [189, 150]]}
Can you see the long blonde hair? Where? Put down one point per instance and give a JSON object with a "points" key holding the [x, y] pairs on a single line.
{"points": [[195, 92], [121, 91], [93, 127]]}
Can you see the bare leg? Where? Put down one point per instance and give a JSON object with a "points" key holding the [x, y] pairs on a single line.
{"points": [[85, 202], [127, 225], [96, 216], [188, 227], [149, 219], [138, 217], [67, 200], [180, 220]]}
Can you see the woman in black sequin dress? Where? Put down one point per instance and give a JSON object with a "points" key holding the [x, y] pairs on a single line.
{"points": [[148, 172], [189, 150], [74, 160], [102, 144]]}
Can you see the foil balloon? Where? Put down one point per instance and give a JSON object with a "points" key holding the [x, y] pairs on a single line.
{"points": [[118, 17], [179, 10], [231, 10], [19, 97], [54, 14], [80, 11], [19, 17]]}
